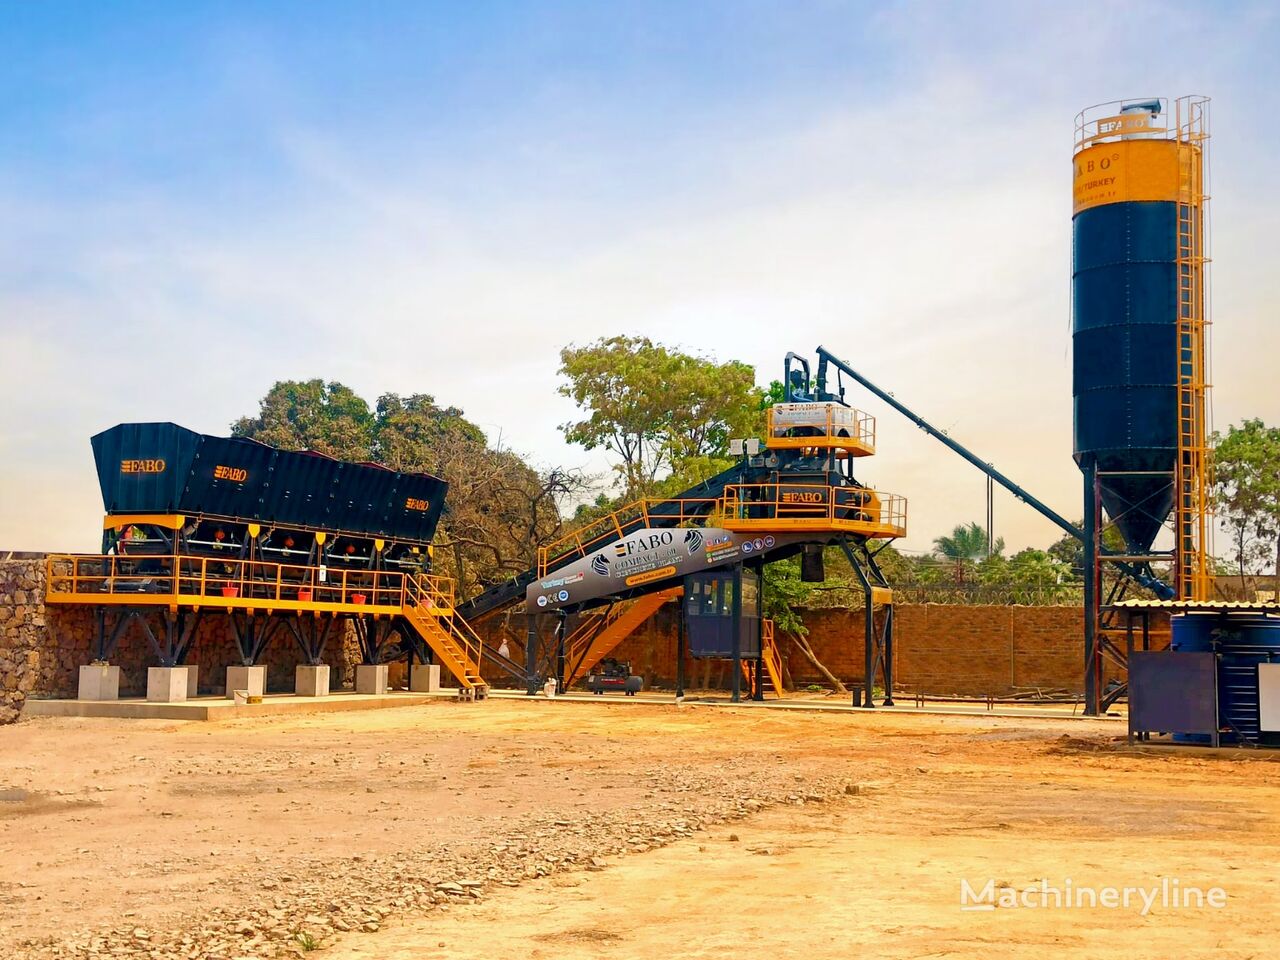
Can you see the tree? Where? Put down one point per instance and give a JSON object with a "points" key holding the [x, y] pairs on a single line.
{"points": [[964, 546], [968, 541], [312, 415], [500, 510], [416, 434], [655, 408], [1036, 577], [784, 591], [1246, 492], [1069, 550]]}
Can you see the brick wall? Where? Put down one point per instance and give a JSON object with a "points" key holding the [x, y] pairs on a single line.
{"points": [[939, 649]]}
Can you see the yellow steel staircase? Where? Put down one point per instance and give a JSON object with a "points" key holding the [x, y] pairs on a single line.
{"points": [[772, 662], [601, 633], [429, 610]]}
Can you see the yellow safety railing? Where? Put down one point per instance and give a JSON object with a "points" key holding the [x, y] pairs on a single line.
{"points": [[577, 643], [824, 425], [780, 505], [435, 597], [183, 580], [430, 593], [770, 657], [752, 505], [619, 523], [180, 578], [1193, 502]]}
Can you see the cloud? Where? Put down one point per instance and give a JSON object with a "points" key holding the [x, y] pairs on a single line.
{"points": [[922, 233]]}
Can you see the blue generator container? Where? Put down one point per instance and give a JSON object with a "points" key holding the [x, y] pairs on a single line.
{"points": [[1241, 643]]}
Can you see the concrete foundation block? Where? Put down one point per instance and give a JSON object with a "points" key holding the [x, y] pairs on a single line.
{"points": [[425, 678], [311, 681], [252, 679], [166, 684], [193, 680], [99, 681], [371, 679]]}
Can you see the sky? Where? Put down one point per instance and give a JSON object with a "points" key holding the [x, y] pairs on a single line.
{"points": [[198, 200]]}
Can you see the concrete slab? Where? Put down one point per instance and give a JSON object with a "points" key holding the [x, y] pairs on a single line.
{"points": [[219, 708], [1038, 712], [253, 679], [166, 684], [309, 681], [99, 681], [425, 678], [371, 679], [193, 680]]}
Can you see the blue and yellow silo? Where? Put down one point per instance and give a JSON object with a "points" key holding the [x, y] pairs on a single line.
{"points": [[1138, 317]]}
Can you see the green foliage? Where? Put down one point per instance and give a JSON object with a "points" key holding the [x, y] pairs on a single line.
{"points": [[1246, 492], [968, 541], [1034, 576], [312, 415], [1068, 550], [500, 509], [659, 410], [415, 434], [784, 592], [306, 941], [1028, 577], [776, 393], [687, 472]]}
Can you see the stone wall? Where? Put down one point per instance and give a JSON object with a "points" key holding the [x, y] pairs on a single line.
{"points": [[71, 632], [42, 647], [25, 657]]}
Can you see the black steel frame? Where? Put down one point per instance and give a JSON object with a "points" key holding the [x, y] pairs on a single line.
{"points": [[878, 644], [1099, 617], [176, 629]]}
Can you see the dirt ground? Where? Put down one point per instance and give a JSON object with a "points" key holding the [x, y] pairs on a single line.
{"points": [[565, 830]]}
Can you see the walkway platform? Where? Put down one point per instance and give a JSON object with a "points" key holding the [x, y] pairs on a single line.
{"points": [[220, 708]]}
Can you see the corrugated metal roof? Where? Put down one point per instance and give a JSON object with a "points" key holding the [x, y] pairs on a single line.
{"points": [[1269, 606]]}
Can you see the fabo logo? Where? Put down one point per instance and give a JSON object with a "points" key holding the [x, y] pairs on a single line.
{"points": [[413, 503], [803, 497], [643, 543], [142, 466], [234, 474], [1095, 165]]}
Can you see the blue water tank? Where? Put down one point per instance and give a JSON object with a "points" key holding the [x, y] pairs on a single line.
{"points": [[1241, 642]]}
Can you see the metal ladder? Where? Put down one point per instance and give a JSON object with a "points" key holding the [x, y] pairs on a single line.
{"points": [[1191, 505]]}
